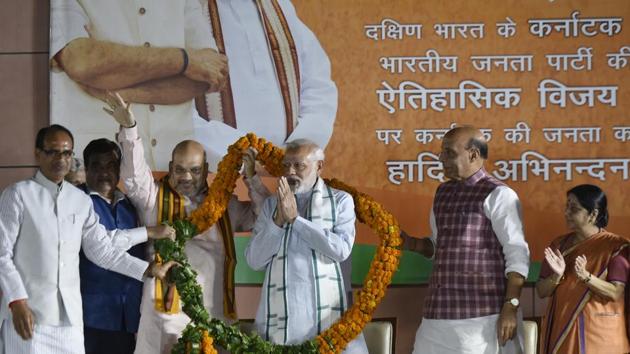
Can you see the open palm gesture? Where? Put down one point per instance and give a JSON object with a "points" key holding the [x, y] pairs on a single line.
{"points": [[119, 109], [555, 260]]}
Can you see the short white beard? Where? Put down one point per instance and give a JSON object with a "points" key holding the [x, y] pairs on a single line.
{"points": [[300, 189]]}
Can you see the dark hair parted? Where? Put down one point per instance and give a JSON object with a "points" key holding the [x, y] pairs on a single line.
{"points": [[101, 146], [54, 128], [592, 198], [480, 145]]}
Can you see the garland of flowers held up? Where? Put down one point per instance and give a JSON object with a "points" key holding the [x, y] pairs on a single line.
{"points": [[203, 333]]}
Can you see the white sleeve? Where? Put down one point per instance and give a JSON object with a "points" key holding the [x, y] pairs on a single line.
{"points": [[198, 32], [503, 209], [11, 217], [125, 239], [318, 93], [68, 21], [100, 249], [135, 172]]}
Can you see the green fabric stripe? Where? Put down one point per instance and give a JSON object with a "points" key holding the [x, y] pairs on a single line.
{"points": [[284, 280], [318, 305], [333, 204], [269, 286], [340, 287], [308, 207]]}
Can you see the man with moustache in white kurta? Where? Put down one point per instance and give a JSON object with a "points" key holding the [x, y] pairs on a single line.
{"points": [[44, 223]]}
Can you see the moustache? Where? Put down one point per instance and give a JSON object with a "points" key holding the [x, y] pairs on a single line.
{"points": [[58, 165], [293, 180]]}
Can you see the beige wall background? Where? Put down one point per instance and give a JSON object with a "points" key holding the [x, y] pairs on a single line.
{"points": [[23, 84]]}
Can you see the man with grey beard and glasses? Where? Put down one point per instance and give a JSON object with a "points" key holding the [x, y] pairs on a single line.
{"points": [[300, 238]]}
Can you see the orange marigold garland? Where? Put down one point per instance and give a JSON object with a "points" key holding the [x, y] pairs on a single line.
{"points": [[368, 211], [206, 344], [223, 185]]}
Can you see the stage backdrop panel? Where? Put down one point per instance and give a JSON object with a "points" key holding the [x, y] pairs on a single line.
{"points": [[546, 81]]}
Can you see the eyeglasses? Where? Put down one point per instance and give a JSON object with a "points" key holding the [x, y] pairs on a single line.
{"points": [[58, 153], [195, 171], [298, 166]]}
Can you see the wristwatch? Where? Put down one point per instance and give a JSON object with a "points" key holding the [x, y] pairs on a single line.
{"points": [[513, 301]]}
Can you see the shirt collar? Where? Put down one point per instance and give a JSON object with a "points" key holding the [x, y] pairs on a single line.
{"points": [[50, 186], [476, 177], [118, 195]]}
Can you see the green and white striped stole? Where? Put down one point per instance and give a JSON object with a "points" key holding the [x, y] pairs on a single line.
{"points": [[329, 294]]}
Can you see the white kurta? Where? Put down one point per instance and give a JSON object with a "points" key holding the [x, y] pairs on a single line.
{"points": [[162, 23], [257, 96], [158, 332], [479, 335], [43, 226], [46, 340], [306, 236]]}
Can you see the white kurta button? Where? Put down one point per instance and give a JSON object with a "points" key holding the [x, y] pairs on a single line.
{"points": [[153, 142]]}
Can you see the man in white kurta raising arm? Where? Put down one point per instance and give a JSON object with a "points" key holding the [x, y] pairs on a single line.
{"points": [[206, 252]]}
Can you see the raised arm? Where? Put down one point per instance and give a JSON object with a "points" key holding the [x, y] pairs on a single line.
{"points": [[554, 265], [134, 170], [612, 288]]}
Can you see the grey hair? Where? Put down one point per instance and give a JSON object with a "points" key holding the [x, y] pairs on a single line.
{"points": [[77, 165], [317, 153]]}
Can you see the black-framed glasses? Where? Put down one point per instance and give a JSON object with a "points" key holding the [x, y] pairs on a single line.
{"points": [[58, 153]]}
